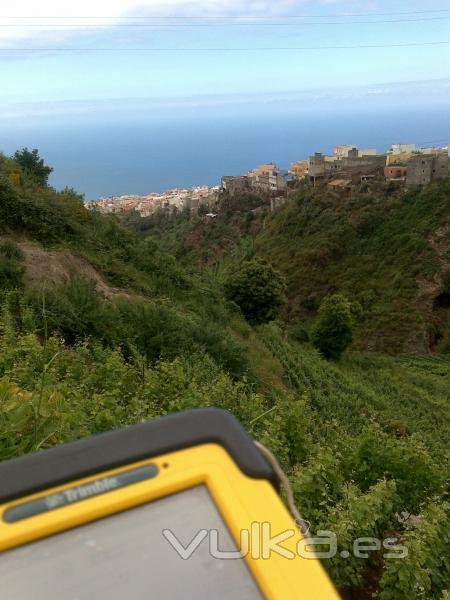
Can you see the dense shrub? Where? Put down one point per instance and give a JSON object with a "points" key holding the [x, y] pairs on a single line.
{"points": [[333, 332], [425, 572], [155, 329], [11, 250], [243, 202], [77, 311], [298, 332], [74, 310], [11, 274], [258, 289], [359, 515], [43, 214], [375, 455], [11, 269]]}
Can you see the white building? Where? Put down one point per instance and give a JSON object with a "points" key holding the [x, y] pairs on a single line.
{"points": [[402, 148]]}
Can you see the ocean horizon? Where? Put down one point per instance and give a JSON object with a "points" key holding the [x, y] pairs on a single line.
{"points": [[113, 157]]}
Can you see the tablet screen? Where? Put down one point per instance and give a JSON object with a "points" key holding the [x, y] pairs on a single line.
{"points": [[127, 557]]}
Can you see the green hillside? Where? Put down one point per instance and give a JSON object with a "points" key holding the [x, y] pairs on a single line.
{"points": [[387, 249], [115, 330], [390, 252]]}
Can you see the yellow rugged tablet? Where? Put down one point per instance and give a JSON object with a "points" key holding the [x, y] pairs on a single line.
{"points": [[183, 507]]}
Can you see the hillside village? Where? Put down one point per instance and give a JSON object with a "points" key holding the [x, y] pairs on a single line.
{"points": [[349, 167], [403, 164]]}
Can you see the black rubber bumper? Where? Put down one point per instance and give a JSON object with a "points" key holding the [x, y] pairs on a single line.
{"points": [[33, 473]]}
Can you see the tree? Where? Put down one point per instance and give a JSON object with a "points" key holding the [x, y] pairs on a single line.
{"points": [[258, 289], [33, 165], [333, 332]]}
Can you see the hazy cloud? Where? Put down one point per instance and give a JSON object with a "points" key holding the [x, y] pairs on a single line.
{"points": [[51, 22], [428, 92]]}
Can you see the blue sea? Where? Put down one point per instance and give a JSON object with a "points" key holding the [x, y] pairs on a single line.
{"points": [[104, 157]]}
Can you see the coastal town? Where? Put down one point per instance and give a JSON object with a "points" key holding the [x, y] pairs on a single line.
{"points": [[347, 169], [175, 199]]}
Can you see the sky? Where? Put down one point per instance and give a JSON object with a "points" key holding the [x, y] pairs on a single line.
{"points": [[132, 96], [98, 59]]}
